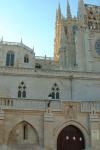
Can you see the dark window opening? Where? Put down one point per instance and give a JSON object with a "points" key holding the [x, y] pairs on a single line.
{"points": [[38, 66], [26, 59], [10, 59], [53, 95], [19, 94], [24, 94], [25, 132], [57, 95]]}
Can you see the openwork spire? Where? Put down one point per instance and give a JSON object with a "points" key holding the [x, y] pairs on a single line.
{"points": [[68, 10], [58, 13]]}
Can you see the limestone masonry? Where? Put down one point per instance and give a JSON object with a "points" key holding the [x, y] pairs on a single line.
{"points": [[53, 103]]}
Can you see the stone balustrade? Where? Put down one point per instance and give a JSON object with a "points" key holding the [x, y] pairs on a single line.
{"points": [[42, 105], [90, 106], [28, 104]]}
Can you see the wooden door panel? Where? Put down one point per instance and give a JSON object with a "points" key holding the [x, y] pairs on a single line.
{"points": [[70, 138]]}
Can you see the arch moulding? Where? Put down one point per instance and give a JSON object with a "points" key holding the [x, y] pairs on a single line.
{"points": [[81, 127]]}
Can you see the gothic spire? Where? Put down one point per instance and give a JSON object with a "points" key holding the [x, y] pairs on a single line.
{"points": [[81, 9], [58, 13], [68, 10]]}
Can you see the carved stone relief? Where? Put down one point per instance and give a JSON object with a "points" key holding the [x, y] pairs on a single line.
{"points": [[70, 111]]}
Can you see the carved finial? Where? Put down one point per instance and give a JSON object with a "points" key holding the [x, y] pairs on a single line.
{"points": [[21, 41], [33, 48], [33, 51], [45, 56], [2, 39]]}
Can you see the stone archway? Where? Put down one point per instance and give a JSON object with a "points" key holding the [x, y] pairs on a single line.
{"points": [[23, 137], [70, 138]]}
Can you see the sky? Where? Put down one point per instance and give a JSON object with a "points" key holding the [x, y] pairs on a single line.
{"points": [[34, 22]]}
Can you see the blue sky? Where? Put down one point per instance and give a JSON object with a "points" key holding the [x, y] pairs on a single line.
{"points": [[33, 21]]}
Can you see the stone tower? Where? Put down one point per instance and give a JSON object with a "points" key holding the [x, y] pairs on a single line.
{"points": [[57, 32], [72, 34]]}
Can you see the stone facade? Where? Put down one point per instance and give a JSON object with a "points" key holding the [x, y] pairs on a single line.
{"points": [[40, 97]]}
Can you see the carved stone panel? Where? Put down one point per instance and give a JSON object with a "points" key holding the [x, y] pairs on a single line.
{"points": [[70, 111]]}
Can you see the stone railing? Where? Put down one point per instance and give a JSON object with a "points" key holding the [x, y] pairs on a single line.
{"points": [[42, 105], [29, 104], [44, 58], [16, 43], [6, 102], [12, 70], [90, 106]]}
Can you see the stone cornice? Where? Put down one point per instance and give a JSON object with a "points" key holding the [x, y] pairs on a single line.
{"points": [[30, 72], [15, 44]]}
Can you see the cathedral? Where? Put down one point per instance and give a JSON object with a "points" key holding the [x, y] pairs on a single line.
{"points": [[53, 104]]}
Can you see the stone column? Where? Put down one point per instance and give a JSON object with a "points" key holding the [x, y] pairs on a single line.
{"points": [[48, 129], [95, 131], [2, 140]]}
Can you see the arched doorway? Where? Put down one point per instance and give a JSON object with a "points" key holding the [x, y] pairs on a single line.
{"points": [[70, 138], [23, 137]]}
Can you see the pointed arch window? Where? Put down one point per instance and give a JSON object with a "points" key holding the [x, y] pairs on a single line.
{"points": [[19, 93], [74, 28], [10, 59], [25, 131], [26, 59], [22, 90], [38, 66], [57, 95], [55, 92]]}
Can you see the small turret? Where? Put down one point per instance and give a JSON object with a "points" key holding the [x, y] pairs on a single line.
{"points": [[69, 16]]}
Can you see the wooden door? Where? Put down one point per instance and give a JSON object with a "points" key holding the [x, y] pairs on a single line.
{"points": [[70, 138]]}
